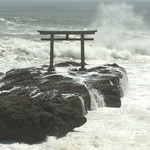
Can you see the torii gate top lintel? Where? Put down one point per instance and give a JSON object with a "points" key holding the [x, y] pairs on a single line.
{"points": [[52, 38], [68, 32]]}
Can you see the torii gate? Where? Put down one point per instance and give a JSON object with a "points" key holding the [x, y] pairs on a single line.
{"points": [[67, 38]]}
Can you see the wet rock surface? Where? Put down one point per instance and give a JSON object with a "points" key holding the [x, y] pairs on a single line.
{"points": [[108, 83], [34, 103], [1, 73], [67, 64]]}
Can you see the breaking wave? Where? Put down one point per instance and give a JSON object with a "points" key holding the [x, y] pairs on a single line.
{"points": [[2, 19], [121, 34]]}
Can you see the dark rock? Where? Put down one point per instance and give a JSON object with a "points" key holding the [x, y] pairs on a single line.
{"points": [[106, 80], [34, 103], [68, 64], [1, 73], [108, 83]]}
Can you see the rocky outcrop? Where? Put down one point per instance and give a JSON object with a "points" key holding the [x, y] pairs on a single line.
{"points": [[107, 80], [108, 83], [68, 64], [34, 103]]}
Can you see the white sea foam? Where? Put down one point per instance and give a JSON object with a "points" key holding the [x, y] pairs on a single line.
{"points": [[97, 99], [121, 33], [23, 19], [2, 19], [8, 91], [83, 105]]}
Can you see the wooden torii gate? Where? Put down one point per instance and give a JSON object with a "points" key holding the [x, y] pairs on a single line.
{"points": [[66, 37]]}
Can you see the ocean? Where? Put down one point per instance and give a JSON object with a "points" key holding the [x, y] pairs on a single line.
{"points": [[123, 37]]}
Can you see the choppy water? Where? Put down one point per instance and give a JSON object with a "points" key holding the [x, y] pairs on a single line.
{"points": [[123, 37]]}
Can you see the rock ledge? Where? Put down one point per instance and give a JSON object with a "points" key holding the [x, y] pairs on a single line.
{"points": [[34, 104]]}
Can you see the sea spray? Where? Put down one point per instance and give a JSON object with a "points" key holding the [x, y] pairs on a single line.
{"points": [[121, 32], [2, 19], [83, 105], [123, 84], [97, 99]]}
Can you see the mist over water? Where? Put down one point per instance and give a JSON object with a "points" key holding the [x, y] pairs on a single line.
{"points": [[123, 37], [122, 30]]}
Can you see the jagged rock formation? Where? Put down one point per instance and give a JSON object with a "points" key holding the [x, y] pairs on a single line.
{"points": [[34, 103], [108, 83]]}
